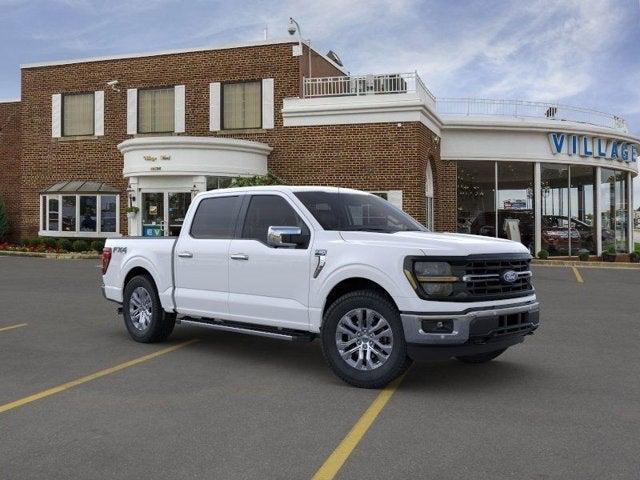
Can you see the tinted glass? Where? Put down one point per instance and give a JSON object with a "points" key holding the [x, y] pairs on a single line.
{"points": [[88, 214], [108, 213], [477, 198], [215, 218], [269, 211], [555, 209], [516, 203], [356, 212], [69, 214]]}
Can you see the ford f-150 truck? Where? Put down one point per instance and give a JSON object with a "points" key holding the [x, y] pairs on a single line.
{"points": [[296, 263]]}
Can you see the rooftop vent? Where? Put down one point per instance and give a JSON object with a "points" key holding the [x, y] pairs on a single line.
{"points": [[334, 57]]}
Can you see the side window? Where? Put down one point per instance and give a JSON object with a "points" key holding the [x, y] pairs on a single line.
{"points": [[215, 218], [269, 211]]}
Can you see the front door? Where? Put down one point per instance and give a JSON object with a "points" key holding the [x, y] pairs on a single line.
{"points": [[268, 285], [163, 213]]}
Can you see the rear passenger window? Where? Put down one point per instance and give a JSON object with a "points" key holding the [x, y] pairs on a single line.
{"points": [[215, 218], [269, 211]]}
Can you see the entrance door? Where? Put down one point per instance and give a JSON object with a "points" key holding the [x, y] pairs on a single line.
{"points": [[163, 213], [153, 222]]}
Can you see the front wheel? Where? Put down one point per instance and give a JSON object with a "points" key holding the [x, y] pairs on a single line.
{"points": [[143, 315], [481, 357], [363, 340]]}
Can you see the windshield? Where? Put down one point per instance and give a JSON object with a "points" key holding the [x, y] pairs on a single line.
{"points": [[357, 212]]}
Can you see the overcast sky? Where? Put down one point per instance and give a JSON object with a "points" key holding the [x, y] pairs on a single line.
{"points": [[580, 52]]}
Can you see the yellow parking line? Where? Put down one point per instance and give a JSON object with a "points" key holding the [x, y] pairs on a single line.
{"points": [[577, 274], [334, 463], [4, 329], [88, 378]]}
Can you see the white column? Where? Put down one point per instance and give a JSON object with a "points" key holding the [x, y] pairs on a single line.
{"points": [[132, 111], [598, 218], [98, 113], [56, 115], [179, 108], [537, 207], [630, 243]]}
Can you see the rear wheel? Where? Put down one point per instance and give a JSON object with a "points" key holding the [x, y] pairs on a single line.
{"points": [[363, 340], [481, 357], [143, 315]]}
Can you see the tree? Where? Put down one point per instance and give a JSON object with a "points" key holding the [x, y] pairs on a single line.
{"points": [[268, 179], [4, 221]]}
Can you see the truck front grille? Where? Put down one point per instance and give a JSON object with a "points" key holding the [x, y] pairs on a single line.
{"points": [[483, 278]]}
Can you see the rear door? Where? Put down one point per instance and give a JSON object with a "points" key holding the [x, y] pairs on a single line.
{"points": [[269, 285], [202, 258]]}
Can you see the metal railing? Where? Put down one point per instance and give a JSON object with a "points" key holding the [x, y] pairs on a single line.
{"points": [[356, 85], [526, 109]]}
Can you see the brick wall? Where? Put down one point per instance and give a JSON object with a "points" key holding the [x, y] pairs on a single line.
{"points": [[9, 160], [366, 156]]}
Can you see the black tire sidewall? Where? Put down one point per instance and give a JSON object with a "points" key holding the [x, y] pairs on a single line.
{"points": [[395, 364], [156, 327]]}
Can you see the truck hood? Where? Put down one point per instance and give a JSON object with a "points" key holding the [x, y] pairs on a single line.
{"points": [[437, 244]]}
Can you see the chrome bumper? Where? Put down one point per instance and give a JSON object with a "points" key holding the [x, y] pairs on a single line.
{"points": [[412, 323]]}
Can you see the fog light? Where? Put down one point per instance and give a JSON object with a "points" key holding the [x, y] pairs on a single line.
{"points": [[437, 326]]}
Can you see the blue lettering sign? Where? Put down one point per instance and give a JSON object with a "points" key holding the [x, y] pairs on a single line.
{"points": [[586, 147], [573, 146], [601, 147], [624, 151], [557, 142], [634, 153], [614, 150]]}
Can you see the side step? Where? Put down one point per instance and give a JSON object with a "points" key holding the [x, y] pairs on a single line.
{"points": [[249, 329]]}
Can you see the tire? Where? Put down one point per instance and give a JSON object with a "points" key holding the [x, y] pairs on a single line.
{"points": [[387, 358], [481, 357], [151, 324]]}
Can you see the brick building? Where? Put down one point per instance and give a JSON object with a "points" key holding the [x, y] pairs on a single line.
{"points": [[90, 137]]}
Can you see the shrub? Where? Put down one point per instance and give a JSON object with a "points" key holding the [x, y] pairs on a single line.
{"points": [[634, 257], [65, 244], [268, 179], [49, 242], [97, 245], [4, 221], [583, 254], [80, 246], [26, 242], [543, 254]]}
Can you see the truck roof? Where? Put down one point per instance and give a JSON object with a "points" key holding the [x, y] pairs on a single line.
{"points": [[283, 188]]}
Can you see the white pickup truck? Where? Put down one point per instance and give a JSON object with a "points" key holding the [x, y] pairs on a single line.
{"points": [[296, 263]]}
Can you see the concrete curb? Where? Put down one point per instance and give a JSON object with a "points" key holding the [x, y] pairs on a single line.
{"points": [[573, 263], [56, 256]]}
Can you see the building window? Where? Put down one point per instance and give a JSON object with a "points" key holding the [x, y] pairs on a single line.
{"points": [[78, 114], [75, 215], [214, 183], [241, 105], [428, 193], [615, 217], [516, 203], [477, 197], [156, 110]]}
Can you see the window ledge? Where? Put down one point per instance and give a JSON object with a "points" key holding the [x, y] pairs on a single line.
{"points": [[241, 131], [47, 233], [156, 134], [77, 138]]}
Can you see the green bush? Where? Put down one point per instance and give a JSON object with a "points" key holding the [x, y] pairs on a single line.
{"points": [[268, 179], [97, 245], [543, 254], [80, 246], [583, 254], [4, 221], [49, 242], [634, 257], [25, 242], [65, 244]]}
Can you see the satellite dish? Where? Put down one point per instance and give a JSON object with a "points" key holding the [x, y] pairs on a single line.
{"points": [[334, 57]]}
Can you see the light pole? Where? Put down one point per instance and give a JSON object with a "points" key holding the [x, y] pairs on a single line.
{"points": [[292, 29]]}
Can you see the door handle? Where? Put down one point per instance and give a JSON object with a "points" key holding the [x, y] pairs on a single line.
{"points": [[185, 255], [239, 256]]}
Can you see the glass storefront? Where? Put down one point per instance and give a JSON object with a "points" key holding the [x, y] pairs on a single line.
{"points": [[614, 190], [498, 199]]}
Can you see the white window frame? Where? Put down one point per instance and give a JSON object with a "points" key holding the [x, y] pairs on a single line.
{"points": [[44, 216]]}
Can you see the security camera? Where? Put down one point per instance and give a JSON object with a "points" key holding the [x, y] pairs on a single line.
{"points": [[292, 27]]}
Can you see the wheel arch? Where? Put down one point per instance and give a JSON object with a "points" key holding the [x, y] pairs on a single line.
{"points": [[353, 284]]}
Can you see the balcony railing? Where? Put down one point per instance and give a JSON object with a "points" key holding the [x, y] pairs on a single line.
{"points": [[526, 109], [357, 85]]}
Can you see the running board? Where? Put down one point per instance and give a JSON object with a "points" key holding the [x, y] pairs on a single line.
{"points": [[249, 329]]}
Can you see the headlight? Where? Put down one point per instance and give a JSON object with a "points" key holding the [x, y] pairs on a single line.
{"points": [[435, 278]]}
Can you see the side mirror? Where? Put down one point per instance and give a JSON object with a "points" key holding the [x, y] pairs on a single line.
{"points": [[288, 237]]}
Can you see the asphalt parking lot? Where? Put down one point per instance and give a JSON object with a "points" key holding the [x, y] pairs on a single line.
{"points": [[565, 404]]}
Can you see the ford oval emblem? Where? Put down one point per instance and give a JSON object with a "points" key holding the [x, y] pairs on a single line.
{"points": [[509, 276]]}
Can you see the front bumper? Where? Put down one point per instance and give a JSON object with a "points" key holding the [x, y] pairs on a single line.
{"points": [[491, 326]]}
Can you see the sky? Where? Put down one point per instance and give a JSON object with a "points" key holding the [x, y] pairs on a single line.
{"points": [[577, 52]]}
